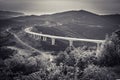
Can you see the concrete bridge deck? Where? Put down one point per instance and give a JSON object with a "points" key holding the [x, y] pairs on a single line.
{"points": [[70, 39]]}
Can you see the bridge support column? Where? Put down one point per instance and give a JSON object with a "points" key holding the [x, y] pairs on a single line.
{"points": [[39, 37], [70, 43], [98, 46], [30, 35], [44, 38], [34, 36], [53, 41]]}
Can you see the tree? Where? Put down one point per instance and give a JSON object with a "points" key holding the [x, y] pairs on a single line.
{"points": [[109, 54]]}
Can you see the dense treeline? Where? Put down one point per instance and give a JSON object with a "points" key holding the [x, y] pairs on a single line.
{"points": [[71, 64]]}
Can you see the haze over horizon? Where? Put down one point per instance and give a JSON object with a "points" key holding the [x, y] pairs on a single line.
{"points": [[39, 7]]}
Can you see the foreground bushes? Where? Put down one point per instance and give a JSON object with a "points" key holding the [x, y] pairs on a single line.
{"points": [[72, 64], [109, 53], [24, 64], [98, 73], [77, 57], [5, 53]]}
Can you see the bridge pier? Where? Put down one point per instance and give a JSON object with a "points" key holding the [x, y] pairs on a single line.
{"points": [[44, 38], [98, 46], [53, 41], [30, 35], [39, 37], [35, 37], [70, 43]]}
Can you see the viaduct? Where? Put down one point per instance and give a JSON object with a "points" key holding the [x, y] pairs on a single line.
{"points": [[53, 38]]}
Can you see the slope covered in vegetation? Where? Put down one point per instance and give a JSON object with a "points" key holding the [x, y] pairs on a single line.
{"points": [[72, 64]]}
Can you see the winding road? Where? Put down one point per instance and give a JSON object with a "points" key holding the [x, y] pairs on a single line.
{"points": [[44, 54]]}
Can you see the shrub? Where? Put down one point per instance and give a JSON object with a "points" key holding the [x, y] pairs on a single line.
{"points": [[77, 57], [61, 58], [109, 53], [5, 52], [39, 75], [25, 64], [93, 72], [83, 58]]}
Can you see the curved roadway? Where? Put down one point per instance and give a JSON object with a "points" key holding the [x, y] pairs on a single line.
{"points": [[44, 54], [28, 30]]}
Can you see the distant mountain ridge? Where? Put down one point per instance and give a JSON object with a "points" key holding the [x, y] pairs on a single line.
{"points": [[9, 14], [114, 18], [81, 23], [80, 16]]}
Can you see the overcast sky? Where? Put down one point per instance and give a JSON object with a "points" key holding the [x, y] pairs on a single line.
{"points": [[53, 6]]}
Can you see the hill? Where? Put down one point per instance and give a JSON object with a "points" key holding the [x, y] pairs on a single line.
{"points": [[9, 14], [82, 24], [114, 18]]}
